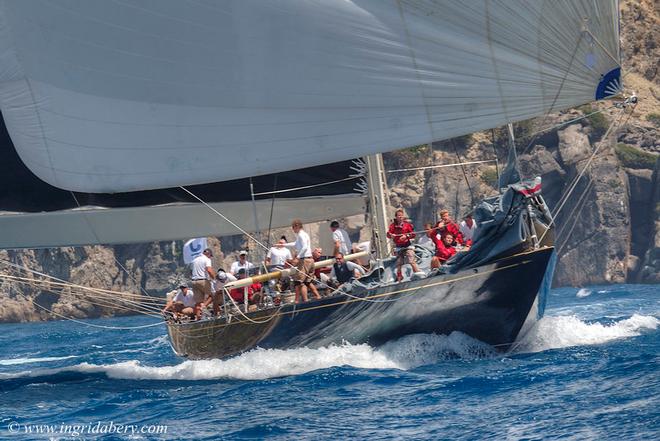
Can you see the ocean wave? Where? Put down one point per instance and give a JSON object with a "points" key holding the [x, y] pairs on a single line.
{"points": [[565, 331], [259, 364], [16, 361], [405, 353]]}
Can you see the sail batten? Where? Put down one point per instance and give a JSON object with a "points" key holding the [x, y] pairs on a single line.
{"points": [[106, 97]]}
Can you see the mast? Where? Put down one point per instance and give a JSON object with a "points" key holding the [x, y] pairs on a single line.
{"points": [[378, 202]]}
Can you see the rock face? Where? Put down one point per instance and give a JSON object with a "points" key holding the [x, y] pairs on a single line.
{"points": [[148, 270], [649, 269]]}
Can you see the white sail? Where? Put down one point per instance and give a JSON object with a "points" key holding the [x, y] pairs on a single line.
{"points": [[105, 96]]}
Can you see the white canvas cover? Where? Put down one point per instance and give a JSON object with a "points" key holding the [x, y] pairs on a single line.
{"points": [[102, 96]]}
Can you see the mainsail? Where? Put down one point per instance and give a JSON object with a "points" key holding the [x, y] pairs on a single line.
{"points": [[112, 97]]}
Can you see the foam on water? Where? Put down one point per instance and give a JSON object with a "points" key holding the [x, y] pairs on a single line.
{"points": [[408, 352], [564, 331], [583, 292], [15, 361], [405, 353]]}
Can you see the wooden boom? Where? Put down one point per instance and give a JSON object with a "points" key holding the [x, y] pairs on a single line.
{"points": [[288, 271]]}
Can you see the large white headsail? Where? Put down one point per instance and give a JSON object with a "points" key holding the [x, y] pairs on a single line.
{"points": [[105, 96]]}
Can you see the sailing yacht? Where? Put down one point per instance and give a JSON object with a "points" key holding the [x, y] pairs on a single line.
{"points": [[141, 122]]}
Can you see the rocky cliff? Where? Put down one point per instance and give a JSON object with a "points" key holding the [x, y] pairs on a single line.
{"points": [[607, 232]]}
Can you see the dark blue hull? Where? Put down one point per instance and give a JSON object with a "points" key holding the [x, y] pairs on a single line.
{"points": [[490, 303]]}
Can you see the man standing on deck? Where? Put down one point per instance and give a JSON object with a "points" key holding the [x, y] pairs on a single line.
{"points": [[340, 239], [202, 274], [303, 262], [402, 232]]}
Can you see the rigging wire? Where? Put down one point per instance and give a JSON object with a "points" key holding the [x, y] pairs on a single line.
{"points": [[113, 328], [581, 204], [98, 240], [573, 185], [114, 295], [467, 181], [428, 167]]}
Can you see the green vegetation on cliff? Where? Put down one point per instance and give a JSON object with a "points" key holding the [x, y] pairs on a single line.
{"points": [[633, 157]]}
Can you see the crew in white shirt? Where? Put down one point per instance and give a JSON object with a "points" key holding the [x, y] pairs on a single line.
{"points": [[340, 238], [467, 228], [304, 263], [217, 286], [278, 255], [182, 303], [241, 263], [202, 274]]}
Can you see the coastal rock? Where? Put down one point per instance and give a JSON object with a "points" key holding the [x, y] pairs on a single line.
{"points": [[650, 266], [574, 144]]}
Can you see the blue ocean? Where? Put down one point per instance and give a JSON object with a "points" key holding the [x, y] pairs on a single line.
{"points": [[590, 369]]}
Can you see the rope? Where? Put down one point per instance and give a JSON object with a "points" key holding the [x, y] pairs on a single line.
{"points": [[91, 228], [106, 302], [428, 167], [272, 209], [114, 328], [580, 204], [286, 190], [467, 182], [579, 176], [113, 295], [224, 217], [557, 126]]}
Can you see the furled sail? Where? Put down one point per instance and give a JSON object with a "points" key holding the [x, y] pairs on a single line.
{"points": [[34, 214], [107, 97]]}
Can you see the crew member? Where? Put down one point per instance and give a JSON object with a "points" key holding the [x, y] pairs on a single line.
{"points": [[303, 263], [340, 238], [402, 232], [202, 274], [182, 303], [343, 271]]}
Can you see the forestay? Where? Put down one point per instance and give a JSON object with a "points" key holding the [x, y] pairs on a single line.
{"points": [[105, 96]]}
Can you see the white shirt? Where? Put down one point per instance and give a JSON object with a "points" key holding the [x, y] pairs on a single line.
{"points": [[187, 299], [467, 232], [278, 255], [217, 285], [425, 240], [341, 236], [237, 266], [199, 265], [302, 244]]}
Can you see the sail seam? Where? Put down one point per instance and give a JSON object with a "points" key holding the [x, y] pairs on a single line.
{"points": [[429, 119], [494, 61]]}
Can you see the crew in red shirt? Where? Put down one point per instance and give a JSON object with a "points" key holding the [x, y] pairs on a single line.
{"points": [[447, 226], [443, 250], [401, 233], [253, 291]]}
